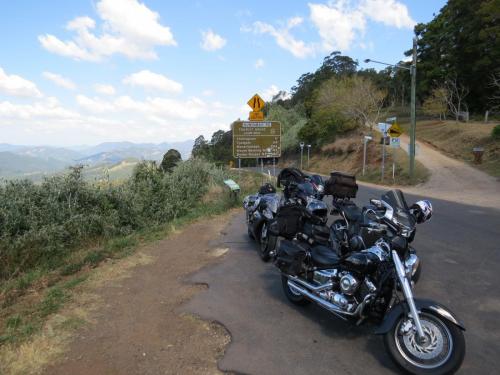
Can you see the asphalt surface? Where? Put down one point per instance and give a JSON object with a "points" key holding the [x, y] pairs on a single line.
{"points": [[461, 269]]}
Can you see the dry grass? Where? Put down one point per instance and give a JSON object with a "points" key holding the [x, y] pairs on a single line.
{"points": [[458, 139], [33, 355], [346, 155]]}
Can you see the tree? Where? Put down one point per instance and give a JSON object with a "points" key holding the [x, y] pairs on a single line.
{"points": [[170, 160], [200, 148], [462, 41], [436, 104], [356, 98], [495, 96], [455, 98]]}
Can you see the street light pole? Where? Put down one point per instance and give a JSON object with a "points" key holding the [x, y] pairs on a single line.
{"points": [[413, 121]]}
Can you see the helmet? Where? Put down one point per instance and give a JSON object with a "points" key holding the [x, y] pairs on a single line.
{"points": [[267, 188], [317, 210], [422, 210]]}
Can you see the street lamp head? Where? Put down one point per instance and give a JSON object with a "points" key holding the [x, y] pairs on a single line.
{"points": [[367, 61]]}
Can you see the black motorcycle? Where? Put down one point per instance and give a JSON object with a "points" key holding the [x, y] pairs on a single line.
{"points": [[374, 284], [260, 211]]}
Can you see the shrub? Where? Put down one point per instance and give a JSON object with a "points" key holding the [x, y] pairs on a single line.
{"points": [[495, 133], [40, 225]]}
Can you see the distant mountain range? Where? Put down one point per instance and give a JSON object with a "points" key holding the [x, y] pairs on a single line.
{"points": [[34, 162]]}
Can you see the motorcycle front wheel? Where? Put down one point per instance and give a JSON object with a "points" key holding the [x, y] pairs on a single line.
{"points": [[441, 352], [267, 243]]}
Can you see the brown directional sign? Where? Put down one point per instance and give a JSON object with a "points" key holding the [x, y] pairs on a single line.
{"points": [[256, 139]]}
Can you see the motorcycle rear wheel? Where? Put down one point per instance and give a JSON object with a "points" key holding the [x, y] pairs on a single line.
{"points": [[295, 298], [443, 353]]}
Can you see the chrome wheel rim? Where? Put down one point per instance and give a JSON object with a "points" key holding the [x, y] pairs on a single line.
{"points": [[434, 351]]}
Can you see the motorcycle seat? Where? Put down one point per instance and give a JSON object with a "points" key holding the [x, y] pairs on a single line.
{"points": [[323, 256], [352, 212]]}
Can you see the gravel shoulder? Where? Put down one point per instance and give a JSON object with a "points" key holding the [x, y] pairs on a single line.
{"points": [[139, 328]]}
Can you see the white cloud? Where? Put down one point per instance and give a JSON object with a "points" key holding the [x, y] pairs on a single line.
{"points": [[259, 63], [128, 28], [340, 24], [211, 41], [268, 93], [15, 85], [389, 12], [208, 92], [104, 89], [155, 81], [284, 38], [60, 80], [337, 26]]}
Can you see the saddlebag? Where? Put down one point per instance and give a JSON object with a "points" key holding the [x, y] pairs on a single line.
{"points": [[289, 220], [341, 185], [290, 256]]}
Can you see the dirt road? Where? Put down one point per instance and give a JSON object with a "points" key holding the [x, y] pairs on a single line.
{"points": [[454, 180], [140, 330]]}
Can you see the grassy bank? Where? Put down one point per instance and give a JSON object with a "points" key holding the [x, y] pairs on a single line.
{"points": [[37, 281], [346, 155], [457, 139]]}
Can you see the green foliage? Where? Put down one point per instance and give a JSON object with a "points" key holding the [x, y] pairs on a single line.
{"points": [[462, 42], [171, 158], [495, 133], [292, 121], [41, 225]]}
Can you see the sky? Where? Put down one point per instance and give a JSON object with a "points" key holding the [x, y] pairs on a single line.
{"points": [[90, 71]]}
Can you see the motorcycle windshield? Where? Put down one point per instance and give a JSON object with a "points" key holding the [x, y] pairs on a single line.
{"points": [[401, 214], [306, 189]]}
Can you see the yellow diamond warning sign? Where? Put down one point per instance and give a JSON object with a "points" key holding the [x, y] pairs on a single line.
{"points": [[256, 103], [395, 130]]}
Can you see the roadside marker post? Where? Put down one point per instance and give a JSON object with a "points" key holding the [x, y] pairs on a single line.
{"points": [[301, 144], [366, 139]]}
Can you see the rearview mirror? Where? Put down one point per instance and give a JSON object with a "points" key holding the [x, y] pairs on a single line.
{"points": [[376, 202]]}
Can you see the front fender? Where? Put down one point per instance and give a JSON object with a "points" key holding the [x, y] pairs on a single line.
{"points": [[423, 305]]}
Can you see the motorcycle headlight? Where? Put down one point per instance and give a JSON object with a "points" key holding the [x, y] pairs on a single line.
{"points": [[412, 262]]}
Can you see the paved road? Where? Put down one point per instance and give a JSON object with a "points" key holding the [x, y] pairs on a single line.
{"points": [[461, 259]]}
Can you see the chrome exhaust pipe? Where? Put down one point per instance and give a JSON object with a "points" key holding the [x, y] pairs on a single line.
{"points": [[320, 301], [309, 286]]}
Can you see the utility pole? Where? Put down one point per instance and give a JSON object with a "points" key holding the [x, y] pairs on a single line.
{"points": [[413, 122], [301, 153], [308, 151]]}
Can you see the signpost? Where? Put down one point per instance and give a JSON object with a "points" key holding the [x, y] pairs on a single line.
{"points": [[256, 139]]}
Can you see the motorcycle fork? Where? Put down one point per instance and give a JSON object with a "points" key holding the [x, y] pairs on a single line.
{"points": [[405, 285]]}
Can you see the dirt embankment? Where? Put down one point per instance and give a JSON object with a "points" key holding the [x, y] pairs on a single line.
{"points": [[136, 327], [346, 155]]}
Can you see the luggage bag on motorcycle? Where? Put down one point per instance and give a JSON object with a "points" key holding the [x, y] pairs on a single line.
{"points": [[290, 256], [341, 185], [289, 220]]}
